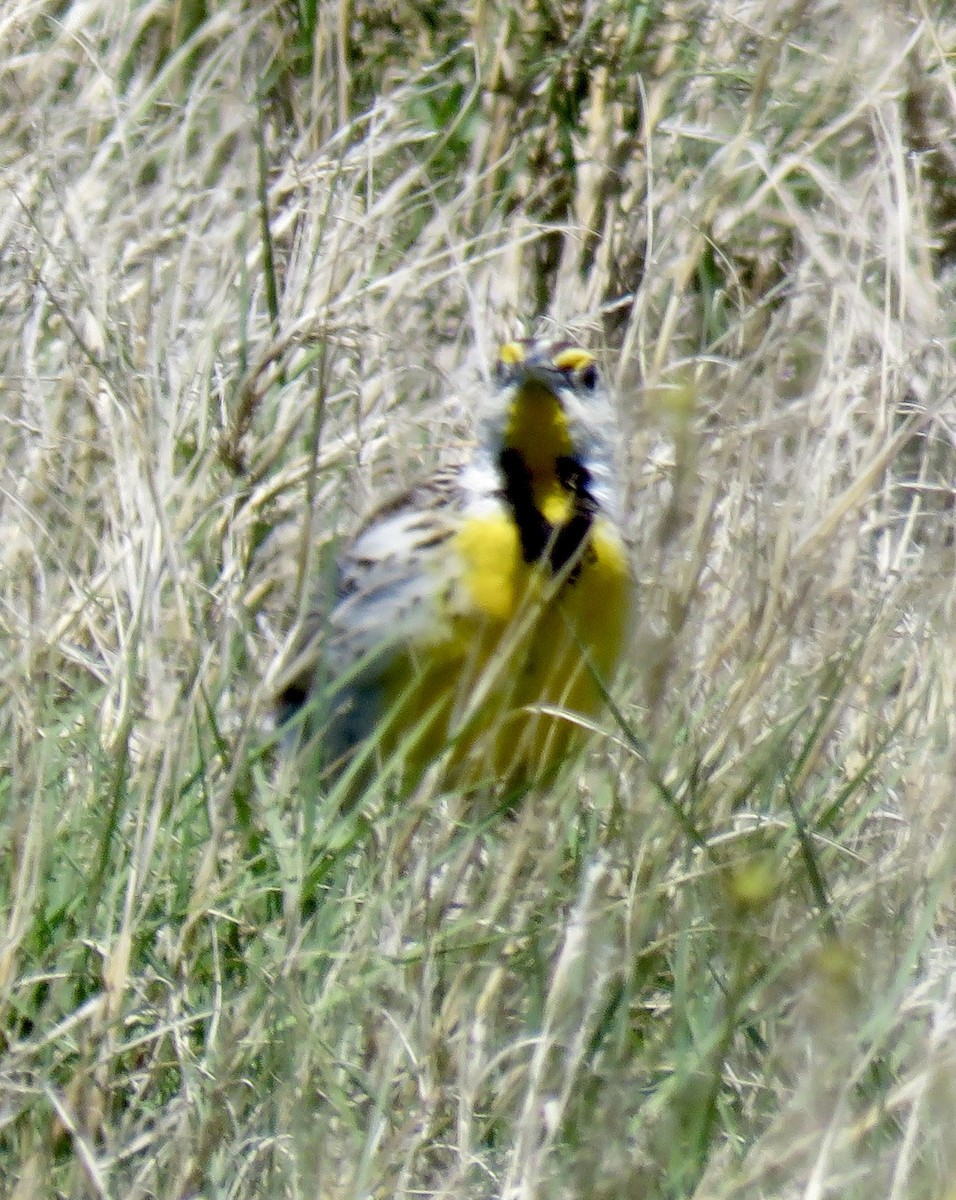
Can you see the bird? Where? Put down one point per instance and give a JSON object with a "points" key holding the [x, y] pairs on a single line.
{"points": [[477, 619]]}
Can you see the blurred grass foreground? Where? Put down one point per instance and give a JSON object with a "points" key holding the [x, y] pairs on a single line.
{"points": [[254, 261]]}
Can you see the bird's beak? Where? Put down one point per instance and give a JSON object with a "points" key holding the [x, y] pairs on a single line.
{"points": [[537, 372]]}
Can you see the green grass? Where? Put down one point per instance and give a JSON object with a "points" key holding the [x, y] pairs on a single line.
{"points": [[253, 262]]}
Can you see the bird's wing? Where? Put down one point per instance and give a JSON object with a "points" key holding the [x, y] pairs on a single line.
{"points": [[392, 587]]}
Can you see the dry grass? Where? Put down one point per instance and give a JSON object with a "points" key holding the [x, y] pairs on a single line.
{"points": [[717, 960]]}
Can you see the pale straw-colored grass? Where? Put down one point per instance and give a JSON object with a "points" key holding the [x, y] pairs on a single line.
{"points": [[716, 959]]}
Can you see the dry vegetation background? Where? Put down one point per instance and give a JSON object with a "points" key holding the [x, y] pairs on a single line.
{"points": [[253, 260]]}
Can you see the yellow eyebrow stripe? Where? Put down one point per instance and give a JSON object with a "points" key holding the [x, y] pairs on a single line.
{"points": [[573, 359], [511, 353]]}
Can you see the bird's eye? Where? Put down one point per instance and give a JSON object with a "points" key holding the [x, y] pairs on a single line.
{"points": [[588, 377]]}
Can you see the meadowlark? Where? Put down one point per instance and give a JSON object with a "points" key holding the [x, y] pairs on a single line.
{"points": [[477, 616]]}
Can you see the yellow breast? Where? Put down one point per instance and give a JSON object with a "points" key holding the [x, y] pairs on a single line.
{"points": [[514, 638]]}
